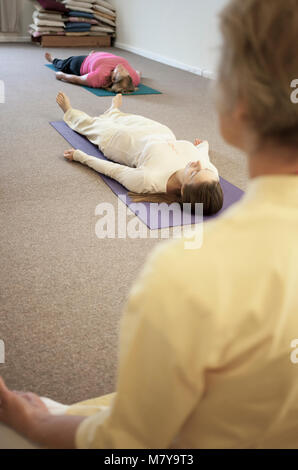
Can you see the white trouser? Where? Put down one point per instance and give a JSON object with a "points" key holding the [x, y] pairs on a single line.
{"points": [[122, 137], [9, 439]]}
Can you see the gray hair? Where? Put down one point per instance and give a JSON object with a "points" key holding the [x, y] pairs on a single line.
{"points": [[259, 63]]}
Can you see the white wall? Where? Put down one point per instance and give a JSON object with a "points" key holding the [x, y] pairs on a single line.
{"points": [[26, 10], [180, 33], [26, 16]]}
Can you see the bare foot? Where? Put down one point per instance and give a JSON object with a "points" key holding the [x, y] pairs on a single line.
{"points": [[68, 154], [63, 101], [117, 101], [49, 57]]}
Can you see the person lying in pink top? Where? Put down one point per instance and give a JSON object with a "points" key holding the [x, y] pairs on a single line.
{"points": [[97, 70]]}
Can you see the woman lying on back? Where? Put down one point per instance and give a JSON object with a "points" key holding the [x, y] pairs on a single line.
{"points": [[146, 157]]}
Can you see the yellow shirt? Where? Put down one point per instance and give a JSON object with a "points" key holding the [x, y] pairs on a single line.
{"points": [[205, 345]]}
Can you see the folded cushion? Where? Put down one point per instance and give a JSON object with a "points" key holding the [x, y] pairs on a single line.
{"points": [[78, 30], [73, 6], [78, 4], [78, 26], [37, 34], [98, 33], [104, 20], [103, 3], [104, 10], [54, 29], [39, 9], [52, 5], [82, 14], [46, 16], [74, 19], [108, 17], [102, 29], [40, 22], [81, 33]]}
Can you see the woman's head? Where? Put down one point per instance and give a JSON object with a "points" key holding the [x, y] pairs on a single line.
{"points": [[195, 173], [198, 185], [201, 185], [121, 81], [258, 64]]}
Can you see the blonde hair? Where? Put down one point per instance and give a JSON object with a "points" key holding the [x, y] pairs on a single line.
{"points": [[125, 85], [258, 64]]}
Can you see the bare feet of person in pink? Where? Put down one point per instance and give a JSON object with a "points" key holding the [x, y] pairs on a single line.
{"points": [[49, 57]]}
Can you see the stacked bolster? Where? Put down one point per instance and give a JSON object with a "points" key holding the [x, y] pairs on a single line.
{"points": [[73, 18], [105, 14], [48, 18]]}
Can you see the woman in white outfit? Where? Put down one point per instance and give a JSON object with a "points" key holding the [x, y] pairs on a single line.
{"points": [[146, 157]]}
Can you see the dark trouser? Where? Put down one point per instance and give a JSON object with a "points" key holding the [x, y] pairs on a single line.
{"points": [[72, 65]]}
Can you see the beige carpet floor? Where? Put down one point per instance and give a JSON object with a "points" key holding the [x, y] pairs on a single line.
{"points": [[63, 289]]}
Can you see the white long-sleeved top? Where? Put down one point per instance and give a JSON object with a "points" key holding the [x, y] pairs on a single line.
{"points": [[144, 153]]}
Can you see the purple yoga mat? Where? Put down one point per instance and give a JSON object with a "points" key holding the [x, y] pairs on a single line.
{"points": [[154, 216]]}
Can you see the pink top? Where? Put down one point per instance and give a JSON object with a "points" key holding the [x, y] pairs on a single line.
{"points": [[99, 67]]}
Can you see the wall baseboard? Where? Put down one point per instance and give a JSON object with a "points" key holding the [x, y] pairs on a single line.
{"points": [[165, 60], [15, 38]]}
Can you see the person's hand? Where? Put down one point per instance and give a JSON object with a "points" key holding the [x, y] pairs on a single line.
{"points": [[19, 410], [197, 142], [68, 154], [60, 75]]}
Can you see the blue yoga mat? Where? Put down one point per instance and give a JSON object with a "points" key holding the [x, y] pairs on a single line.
{"points": [[153, 215], [142, 89]]}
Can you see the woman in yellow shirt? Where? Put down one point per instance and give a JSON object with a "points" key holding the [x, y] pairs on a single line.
{"points": [[207, 337]]}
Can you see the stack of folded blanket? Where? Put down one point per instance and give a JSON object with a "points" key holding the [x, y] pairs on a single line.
{"points": [[48, 18], [79, 19], [73, 18], [105, 14], [97, 17]]}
